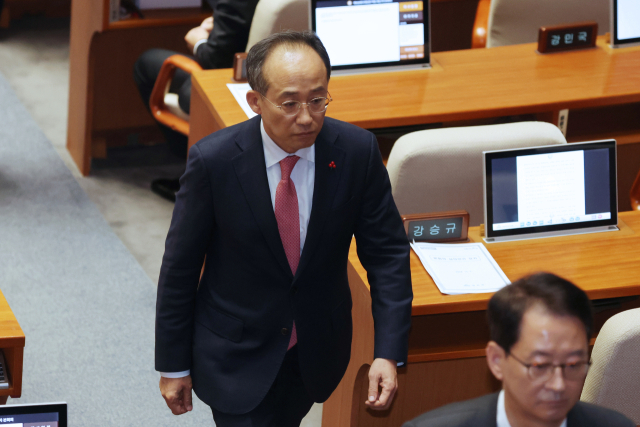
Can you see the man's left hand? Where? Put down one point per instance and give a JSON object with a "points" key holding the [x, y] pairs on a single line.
{"points": [[383, 383], [194, 35]]}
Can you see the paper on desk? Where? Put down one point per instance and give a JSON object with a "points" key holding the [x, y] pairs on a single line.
{"points": [[466, 268], [239, 92]]}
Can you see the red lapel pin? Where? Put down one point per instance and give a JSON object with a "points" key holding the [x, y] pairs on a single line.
{"points": [[332, 165]]}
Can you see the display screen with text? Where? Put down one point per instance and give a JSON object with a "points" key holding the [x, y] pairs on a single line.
{"points": [[551, 187], [359, 33]]}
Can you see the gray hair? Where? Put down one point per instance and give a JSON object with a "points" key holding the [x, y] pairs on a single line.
{"points": [[260, 52]]}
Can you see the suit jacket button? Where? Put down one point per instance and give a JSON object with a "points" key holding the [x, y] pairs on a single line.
{"points": [[284, 331], [295, 290]]}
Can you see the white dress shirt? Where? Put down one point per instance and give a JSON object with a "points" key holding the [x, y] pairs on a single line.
{"points": [[303, 176], [502, 420]]}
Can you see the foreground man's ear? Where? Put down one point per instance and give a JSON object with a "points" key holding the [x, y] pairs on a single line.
{"points": [[495, 359], [252, 99]]}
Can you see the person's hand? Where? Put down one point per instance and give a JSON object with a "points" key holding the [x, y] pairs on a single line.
{"points": [[382, 375], [207, 24], [195, 34], [177, 394]]}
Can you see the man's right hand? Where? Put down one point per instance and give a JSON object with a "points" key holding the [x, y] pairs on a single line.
{"points": [[177, 394]]}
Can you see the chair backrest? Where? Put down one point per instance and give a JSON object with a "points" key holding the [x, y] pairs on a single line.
{"points": [[272, 16], [614, 377], [518, 21], [441, 169]]}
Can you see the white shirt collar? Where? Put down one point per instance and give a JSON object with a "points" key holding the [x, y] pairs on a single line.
{"points": [[273, 154], [501, 418]]}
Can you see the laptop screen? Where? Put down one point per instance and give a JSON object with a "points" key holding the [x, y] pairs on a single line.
{"points": [[626, 22], [372, 33], [41, 415], [551, 188]]}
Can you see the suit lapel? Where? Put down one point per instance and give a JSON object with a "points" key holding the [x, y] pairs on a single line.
{"points": [[326, 182], [252, 174]]}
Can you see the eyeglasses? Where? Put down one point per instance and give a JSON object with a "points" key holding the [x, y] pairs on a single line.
{"points": [[291, 108], [575, 371]]}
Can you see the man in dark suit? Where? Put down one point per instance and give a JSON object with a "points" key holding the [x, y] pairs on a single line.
{"points": [[273, 204], [540, 328], [214, 44]]}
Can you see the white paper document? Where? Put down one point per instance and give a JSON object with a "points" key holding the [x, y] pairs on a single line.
{"points": [[466, 268], [239, 92]]}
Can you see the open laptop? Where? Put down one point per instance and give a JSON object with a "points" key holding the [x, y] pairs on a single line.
{"points": [[40, 415], [625, 23], [550, 191], [373, 35]]}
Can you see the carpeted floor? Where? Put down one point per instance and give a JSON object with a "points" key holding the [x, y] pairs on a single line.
{"points": [[84, 303]]}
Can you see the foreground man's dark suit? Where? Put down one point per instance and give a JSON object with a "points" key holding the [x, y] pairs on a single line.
{"points": [[233, 330], [482, 412]]}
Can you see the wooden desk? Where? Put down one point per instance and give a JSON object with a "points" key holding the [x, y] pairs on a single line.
{"points": [[449, 332], [103, 99], [600, 86], [12, 344]]}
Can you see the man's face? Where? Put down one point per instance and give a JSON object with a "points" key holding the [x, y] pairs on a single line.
{"points": [[294, 73], [544, 338]]}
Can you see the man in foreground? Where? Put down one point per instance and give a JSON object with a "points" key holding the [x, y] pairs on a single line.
{"points": [[540, 328], [273, 203]]}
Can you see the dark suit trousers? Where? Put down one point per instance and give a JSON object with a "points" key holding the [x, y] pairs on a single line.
{"points": [[145, 73], [285, 405]]}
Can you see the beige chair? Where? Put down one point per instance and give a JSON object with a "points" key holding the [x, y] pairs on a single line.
{"points": [[506, 22], [614, 378], [271, 16], [441, 169]]}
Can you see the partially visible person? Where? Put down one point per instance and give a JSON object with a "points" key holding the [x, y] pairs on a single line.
{"points": [[540, 328], [214, 44]]}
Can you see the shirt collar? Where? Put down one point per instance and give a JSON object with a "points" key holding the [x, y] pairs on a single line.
{"points": [[502, 420], [273, 154]]}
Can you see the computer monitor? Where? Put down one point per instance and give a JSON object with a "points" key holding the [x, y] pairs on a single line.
{"points": [[551, 190], [373, 35], [625, 23], [41, 415]]}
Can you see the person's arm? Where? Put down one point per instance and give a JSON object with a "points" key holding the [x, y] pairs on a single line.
{"points": [[187, 241], [383, 249], [230, 33]]}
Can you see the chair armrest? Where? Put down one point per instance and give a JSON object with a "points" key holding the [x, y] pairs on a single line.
{"points": [[156, 102], [479, 35], [635, 194]]}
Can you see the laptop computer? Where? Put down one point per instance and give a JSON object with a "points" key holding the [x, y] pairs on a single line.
{"points": [[550, 191], [373, 35], [41, 415], [625, 23]]}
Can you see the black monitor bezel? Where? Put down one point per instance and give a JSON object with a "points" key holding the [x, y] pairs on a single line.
{"points": [[614, 29], [426, 61], [591, 145], [60, 408]]}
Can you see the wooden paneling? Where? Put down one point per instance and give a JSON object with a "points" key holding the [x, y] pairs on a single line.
{"points": [[102, 95]]}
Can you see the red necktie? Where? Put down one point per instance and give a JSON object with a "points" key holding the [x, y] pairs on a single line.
{"points": [[288, 217]]}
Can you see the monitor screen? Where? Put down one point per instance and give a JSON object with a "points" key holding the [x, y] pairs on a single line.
{"points": [[372, 33], [626, 22], [551, 188], [40, 415]]}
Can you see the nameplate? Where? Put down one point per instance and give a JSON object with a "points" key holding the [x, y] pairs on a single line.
{"points": [[567, 37], [240, 67], [438, 227]]}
